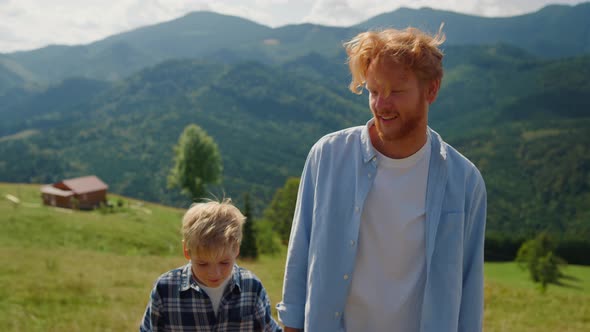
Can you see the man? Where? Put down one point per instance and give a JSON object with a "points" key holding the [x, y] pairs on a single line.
{"points": [[388, 230]]}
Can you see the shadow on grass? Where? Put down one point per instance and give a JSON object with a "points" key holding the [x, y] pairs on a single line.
{"points": [[568, 281]]}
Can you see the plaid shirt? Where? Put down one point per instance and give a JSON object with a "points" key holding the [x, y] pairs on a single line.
{"points": [[177, 303]]}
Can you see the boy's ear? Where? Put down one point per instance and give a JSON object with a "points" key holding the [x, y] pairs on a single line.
{"points": [[185, 250]]}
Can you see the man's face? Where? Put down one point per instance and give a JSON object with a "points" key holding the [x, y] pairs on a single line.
{"points": [[398, 102]]}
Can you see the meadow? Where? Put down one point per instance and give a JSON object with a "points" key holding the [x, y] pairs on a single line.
{"points": [[66, 270]]}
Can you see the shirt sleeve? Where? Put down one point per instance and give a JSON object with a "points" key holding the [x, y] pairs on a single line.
{"points": [[291, 310], [151, 318], [263, 314], [472, 298]]}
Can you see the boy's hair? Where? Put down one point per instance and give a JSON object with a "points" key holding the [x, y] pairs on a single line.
{"points": [[411, 47], [212, 229]]}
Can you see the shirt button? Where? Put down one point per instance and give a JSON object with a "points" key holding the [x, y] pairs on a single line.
{"points": [[346, 277], [369, 175], [337, 314], [352, 243], [356, 209]]}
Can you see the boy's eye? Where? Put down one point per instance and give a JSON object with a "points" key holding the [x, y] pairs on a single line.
{"points": [[202, 264], [224, 263]]}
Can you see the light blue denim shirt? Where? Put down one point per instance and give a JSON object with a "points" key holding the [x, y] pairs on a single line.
{"points": [[336, 179]]}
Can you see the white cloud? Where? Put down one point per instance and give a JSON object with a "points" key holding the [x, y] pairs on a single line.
{"points": [[347, 12], [27, 24]]}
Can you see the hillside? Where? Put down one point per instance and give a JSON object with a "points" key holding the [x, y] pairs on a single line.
{"points": [[263, 119], [76, 271], [65, 270]]}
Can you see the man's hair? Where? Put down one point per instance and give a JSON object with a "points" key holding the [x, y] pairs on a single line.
{"points": [[410, 47], [212, 229]]}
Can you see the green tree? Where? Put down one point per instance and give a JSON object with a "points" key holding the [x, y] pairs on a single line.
{"points": [[197, 162], [537, 257], [248, 249], [267, 240], [282, 207]]}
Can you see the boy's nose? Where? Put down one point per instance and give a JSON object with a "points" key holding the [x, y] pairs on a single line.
{"points": [[216, 271]]}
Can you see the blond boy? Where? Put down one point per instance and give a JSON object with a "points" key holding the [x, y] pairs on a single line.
{"points": [[211, 292]]}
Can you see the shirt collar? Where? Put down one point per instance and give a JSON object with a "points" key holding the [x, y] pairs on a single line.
{"points": [[370, 154], [187, 281], [366, 145], [437, 144]]}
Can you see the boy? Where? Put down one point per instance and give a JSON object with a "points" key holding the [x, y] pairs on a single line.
{"points": [[210, 293]]}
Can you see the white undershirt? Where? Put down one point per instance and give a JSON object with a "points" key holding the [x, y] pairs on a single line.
{"points": [[388, 280], [215, 294]]}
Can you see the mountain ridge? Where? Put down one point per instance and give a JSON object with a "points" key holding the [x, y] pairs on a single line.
{"points": [[552, 32]]}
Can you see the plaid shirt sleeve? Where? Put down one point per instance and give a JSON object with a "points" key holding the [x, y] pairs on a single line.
{"points": [[263, 314]]}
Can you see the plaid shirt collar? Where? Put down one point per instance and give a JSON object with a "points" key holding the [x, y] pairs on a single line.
{"points": [[187, 281]]}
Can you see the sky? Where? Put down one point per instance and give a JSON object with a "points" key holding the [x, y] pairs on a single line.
{"points": [[31, 24]]}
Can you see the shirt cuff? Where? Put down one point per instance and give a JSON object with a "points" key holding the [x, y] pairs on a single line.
{"points": [[291, 315]]}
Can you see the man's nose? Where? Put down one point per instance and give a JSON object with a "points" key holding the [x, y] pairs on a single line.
{"points": [[383, 102]]}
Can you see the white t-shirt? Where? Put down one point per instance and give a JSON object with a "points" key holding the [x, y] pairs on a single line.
{"points": [[215, 294], [388, 279]]}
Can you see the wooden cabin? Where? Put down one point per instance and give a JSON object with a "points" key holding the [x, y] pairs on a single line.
{"points": [[84, 193]]}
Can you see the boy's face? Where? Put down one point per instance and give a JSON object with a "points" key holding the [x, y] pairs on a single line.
{"points": [[212, 270]]}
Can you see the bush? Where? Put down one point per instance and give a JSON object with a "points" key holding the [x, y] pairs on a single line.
{"points": [[537, 257], [267, 240]]}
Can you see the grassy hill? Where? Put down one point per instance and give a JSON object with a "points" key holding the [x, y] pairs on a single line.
{"points": [[68, 270]]}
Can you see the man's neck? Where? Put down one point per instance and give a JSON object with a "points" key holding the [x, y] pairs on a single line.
{"points": [[399, 148]]}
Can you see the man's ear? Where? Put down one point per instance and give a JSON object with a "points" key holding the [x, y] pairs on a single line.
{"points": [[431, 90], [185, 250]]}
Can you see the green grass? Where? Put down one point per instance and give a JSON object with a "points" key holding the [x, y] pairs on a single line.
{"points": [[576, 280], [514, 303], [89, 271]]}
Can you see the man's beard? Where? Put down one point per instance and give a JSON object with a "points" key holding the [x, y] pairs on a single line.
{"points": [[406, 129]]}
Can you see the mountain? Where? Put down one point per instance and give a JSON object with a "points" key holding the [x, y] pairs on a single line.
{"points": [[521, 119], [16, 82], [263, 118], [513, 100], [554, 31], [193, 35]]}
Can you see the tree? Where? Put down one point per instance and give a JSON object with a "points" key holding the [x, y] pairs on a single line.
{"points": [[197, 162], [248, 249], [537, 257], [282, 207]]}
